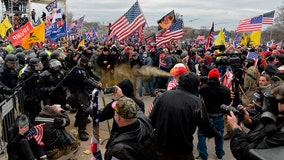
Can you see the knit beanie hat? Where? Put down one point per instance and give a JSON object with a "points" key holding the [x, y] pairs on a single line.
{"points": [[214, 73]]}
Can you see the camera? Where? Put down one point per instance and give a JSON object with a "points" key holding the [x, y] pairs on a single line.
{"points": [[233, 61], [238, 112], [226, 109], [219, 47], [109, 90]]}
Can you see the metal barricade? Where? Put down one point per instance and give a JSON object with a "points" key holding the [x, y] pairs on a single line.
{"points": [[10, 108]]}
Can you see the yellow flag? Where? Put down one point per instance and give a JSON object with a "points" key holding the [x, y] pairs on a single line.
{"points": [[243, 41], [220, 40], [35, 35], [82, 43], [4, 27], [254, 38]]}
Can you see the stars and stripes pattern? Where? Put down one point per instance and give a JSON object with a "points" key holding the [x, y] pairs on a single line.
{"points": [[128, 23], [175, 32], [95, 145], [250, 24], [210, 38], [141, 33], [254, 56], [267, 18], [37, 133]]}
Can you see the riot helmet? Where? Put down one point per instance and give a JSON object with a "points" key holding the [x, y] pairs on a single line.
{"points": [[11, 61], [11, 58], [55, 54], [19, 50], [21, 57], [43, 55], [54, 64], [35, 64]]}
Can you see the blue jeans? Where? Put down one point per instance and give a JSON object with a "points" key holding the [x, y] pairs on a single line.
{"points": [[149, 85], [139, 83], [218, 123]]}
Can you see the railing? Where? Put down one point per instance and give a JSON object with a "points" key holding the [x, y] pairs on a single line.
{"points": [[10, 108]]}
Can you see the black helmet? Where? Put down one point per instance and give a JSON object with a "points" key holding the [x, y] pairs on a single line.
{"points": [[55, 54], [11, 58], [43, 55], [21, 55], [36, 64], [54, 64], [19, 50], [29, 57], [34, 61]]}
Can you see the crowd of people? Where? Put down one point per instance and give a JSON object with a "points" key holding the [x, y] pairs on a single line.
{"points": [[57, 78]]}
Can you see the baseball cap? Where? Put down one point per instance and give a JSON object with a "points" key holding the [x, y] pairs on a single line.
{"points": [[178, 69], [125, 107]]}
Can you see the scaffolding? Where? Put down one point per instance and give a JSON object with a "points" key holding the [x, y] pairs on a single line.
{"points": [[23, 7]]}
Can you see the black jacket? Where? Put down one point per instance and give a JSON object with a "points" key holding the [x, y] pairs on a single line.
{"points": [[214, 95], [132, 142], [19, 148], [55, 135], [175, 116], [242, 142]]}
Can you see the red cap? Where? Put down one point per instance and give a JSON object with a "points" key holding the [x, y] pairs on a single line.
{"points": [[178, 69], [214, 73]]}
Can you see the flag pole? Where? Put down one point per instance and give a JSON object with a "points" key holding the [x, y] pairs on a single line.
{"points": [[144, 17]]}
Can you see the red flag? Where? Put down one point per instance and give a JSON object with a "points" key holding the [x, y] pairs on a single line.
{"points": [[128, 23], [210, 38], [17, 37]]}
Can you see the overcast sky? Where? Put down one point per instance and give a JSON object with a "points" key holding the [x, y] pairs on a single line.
{"points": [[196, 13]]}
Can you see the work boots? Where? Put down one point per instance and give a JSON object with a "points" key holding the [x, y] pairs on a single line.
{"points": [[228, 135], [83, 135]]}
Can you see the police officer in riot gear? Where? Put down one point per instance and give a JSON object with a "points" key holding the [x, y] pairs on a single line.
{"points": [[21, 60], [30, 81], [80, 82], [44, 58], [8, 75], [50, 84], [8, 81]]}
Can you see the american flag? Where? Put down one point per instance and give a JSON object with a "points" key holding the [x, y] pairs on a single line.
{"points": [[141, 33], [175, 32], [254, 56], [268, 17], [37, 133], [228, 79], [200, 37], [210, 38], [250, 24], [75, 26], [95, 145], [128, 23]]}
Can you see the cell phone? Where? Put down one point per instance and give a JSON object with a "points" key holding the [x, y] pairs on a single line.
{"points": [[109, 90]]}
